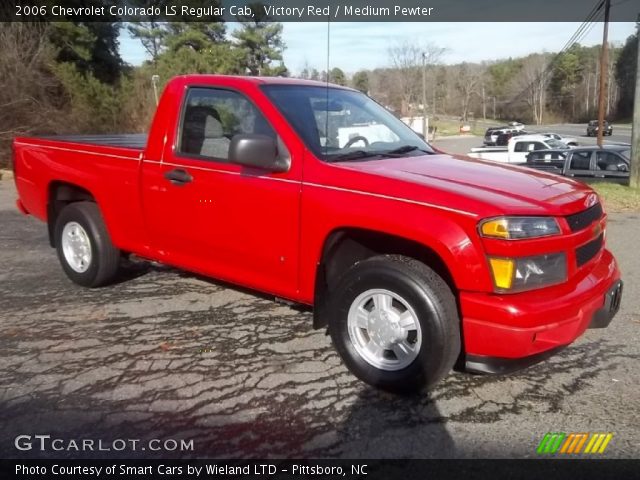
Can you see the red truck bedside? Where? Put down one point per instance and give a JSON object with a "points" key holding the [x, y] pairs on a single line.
{"points": [[412, 258]]}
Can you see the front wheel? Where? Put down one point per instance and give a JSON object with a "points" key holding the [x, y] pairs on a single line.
{"points": [[394, 322], [84, 247]]}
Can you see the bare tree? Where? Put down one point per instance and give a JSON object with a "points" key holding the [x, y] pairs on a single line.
{"points": [[468, 79], [27, 87], [533, 79], [407, 61]]}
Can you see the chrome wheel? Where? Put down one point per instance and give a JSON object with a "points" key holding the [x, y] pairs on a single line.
{"points": [[384, 329], [76, 247]]}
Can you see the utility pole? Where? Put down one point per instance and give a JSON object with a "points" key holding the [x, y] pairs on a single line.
{"points": [[603, 71], [484, 105], [155, 79], [634, 176], [425, 125]]}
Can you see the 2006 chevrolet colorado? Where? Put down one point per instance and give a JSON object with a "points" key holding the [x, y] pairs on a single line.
{"points": [[314, 193]]}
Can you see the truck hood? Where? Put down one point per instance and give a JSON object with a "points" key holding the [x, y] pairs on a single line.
{"points": [[494, 186]]}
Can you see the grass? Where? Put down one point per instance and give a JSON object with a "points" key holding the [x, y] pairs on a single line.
{"points": [[447, 128], [618, 198]]}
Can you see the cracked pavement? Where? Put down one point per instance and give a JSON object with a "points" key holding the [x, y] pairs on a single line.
{"points": [[167, 354]]}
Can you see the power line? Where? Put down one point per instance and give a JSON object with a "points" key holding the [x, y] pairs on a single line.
{"points": [[585, 27]]}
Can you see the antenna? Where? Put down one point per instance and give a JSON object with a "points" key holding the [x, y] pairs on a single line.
{"points": [[326, 125]]}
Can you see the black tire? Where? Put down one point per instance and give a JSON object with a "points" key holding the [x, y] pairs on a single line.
{"points": [[105, 258], [431, 299]]}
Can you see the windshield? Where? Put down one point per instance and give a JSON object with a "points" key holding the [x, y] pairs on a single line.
{"points": [[626, 153], [553, 143], [338, 124]]}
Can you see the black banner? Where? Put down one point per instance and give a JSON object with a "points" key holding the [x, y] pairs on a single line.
{"points": [[322, 469], [317, 10]]}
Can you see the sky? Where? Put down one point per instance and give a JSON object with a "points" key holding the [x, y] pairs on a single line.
{"points": [[364, 45]]}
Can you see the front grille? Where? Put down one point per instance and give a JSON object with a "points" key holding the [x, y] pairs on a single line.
{"points": [[589, 250], [582, 220]]}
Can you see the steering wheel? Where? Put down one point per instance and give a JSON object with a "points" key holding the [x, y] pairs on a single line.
{"points": [[356, 139]]}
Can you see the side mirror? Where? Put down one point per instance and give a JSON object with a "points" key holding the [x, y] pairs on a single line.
{"points": [[623, 167], [257, 151]]}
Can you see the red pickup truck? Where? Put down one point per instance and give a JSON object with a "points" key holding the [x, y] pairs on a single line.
{"points": [[413, 259]]}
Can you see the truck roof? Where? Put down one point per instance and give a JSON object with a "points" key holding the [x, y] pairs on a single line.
{"points": [[533, 136], [194, 78]]}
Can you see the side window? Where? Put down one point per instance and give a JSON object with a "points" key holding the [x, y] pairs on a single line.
{"points": [[607, 161], [536, 146], [520, 147], [211, 117], [580, 161]]}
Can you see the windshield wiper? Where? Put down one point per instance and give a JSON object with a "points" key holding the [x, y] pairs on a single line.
{"points": [[359, 154], [405, 149], [355, 155]]}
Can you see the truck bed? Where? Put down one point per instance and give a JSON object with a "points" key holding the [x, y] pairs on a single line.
{"points": [[130, 140]]}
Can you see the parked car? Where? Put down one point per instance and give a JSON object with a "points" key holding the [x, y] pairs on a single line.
{"points": [[592, 128], [610, 163], [517, 148], [491, 134], [503, 138], [516, 126], [570, 141], [413, 259]]}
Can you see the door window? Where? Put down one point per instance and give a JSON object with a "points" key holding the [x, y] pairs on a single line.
{"points": [[608, 161], [580, 161], [212, 117]]}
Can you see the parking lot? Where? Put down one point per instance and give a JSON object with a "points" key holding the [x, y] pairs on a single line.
{"points": [[165, 354]]}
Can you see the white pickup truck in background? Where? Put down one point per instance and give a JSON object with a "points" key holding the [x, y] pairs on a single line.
{"points": [[517, 149]]}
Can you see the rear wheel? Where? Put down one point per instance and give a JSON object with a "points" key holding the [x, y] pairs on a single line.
{"points": [[394, 322], [84, 247]]}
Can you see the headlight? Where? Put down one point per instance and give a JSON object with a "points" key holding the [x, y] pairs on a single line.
{"points": [[514, 228], [528, 273]]}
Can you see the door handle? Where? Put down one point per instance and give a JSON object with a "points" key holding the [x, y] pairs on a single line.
{"points": [[178, 176]]}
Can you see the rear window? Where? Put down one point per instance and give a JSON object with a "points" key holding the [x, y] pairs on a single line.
{"points": [[525, 146]]}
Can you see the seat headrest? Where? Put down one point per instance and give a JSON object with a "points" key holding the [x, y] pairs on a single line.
{"points": [[213, 127], [203, 120]]}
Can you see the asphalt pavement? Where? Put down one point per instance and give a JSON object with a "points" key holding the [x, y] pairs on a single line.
{"points": [[166, 354]]}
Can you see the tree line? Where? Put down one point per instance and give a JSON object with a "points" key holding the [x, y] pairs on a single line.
{"points": [[537, 88]]}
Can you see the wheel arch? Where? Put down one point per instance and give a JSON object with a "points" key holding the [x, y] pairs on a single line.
{"points": [[59, 195], [345, 246]]}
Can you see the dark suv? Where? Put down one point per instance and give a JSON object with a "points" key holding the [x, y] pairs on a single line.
{"points": [[492, 134], [592, 128]]}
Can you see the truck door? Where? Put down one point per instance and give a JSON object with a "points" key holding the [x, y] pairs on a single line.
{"points": [[211, 216], [580, 165], [523, 148]]}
